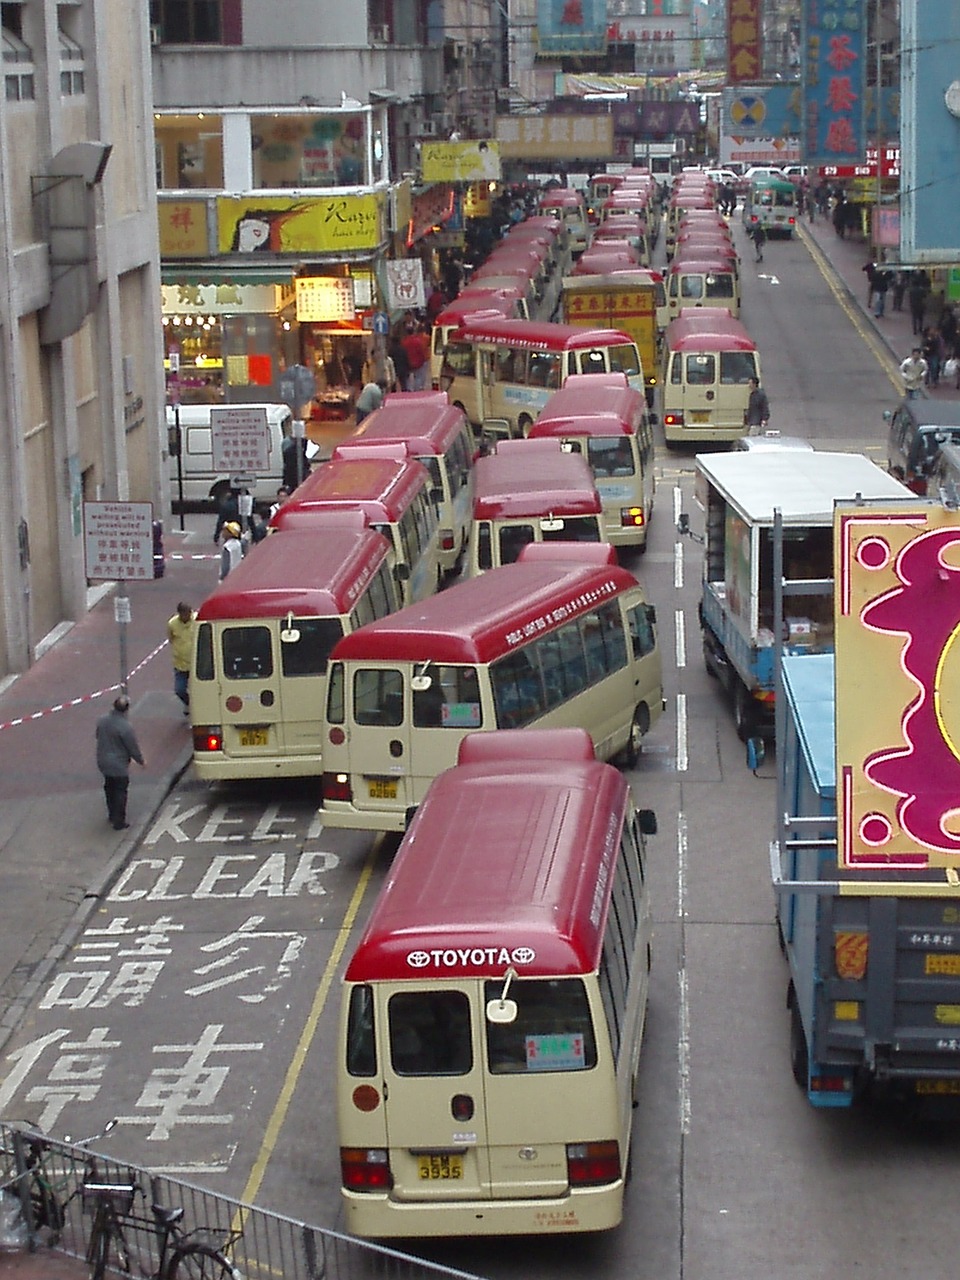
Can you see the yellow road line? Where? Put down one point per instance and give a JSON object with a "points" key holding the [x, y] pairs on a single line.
{"points": [[285, 1096], [869, 335]]}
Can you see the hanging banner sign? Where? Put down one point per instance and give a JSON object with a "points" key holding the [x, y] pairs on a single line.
{"points": [[834, 81], [743, 41]]}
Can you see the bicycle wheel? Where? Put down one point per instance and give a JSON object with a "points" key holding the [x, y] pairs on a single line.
{"points": [[106, 1239], [200, 1262]]}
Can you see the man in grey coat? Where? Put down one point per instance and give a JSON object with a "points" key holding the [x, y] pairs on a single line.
{"points": [[116, 746]]}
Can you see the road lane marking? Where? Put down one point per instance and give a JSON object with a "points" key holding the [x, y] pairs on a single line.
{"points": [[287, 1089]]}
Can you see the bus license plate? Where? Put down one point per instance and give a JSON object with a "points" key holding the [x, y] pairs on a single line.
{"points": [[254, 737], [937, 1088], [382, 788], [700, 415], [443, 1168]]}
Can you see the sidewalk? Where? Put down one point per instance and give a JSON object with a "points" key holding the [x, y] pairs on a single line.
{"points": [[846, 258], [57, 851]]}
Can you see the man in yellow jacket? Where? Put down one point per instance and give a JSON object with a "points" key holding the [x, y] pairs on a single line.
{"points": [[180, 635]]}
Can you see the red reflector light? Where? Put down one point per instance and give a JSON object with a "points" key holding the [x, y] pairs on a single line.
{"points": [[336, 786], [631, 517], [591, 1164], [831, 1084], [207, 737], [365, 1169], [446, 540], [673, 419]]}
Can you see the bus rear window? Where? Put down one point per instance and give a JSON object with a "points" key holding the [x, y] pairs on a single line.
{"points": [[553, 1030], [247, 653], [574, 529], [623, 359], [451, 702], [430, 1033], [737, 367], [378, 697], [204, 663], [308, 654], [610, 456], [361, 1042]]}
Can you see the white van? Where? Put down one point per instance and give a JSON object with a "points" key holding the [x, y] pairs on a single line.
{"points": [[201, 483]]}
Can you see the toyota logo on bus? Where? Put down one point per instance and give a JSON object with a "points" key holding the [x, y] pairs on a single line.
{"points": [[462, 957]]}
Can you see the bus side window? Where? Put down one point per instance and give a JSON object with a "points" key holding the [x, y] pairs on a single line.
{"points": [[203, 667], [676, 370], [335, 701], [378, 697], [308, 656], [247, 653], [513, 538], [484, 545], [430, 1033], [642, 636], [700, 371], [517, 693], [361, 1040], [553, 1030]]}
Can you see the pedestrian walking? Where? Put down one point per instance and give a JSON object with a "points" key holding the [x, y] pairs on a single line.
{"points": [[283, 493], [180, 635], [758, 406], [370, 399], [758, 235], [913, 371], [869, 269], [416, 343], [899, 289], [932, 348], [116, 746], [918, 290], [881, 283], [232, 551], [228, 509]]}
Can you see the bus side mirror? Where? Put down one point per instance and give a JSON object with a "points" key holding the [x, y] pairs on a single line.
{"points": [[651, 611], [501, 1012], [401, 572], [647, 822]]}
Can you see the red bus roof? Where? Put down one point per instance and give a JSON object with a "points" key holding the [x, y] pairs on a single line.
{"points": [[453, 316], [310, 573], [541, 334], [581, 407], [707, 329], [382, 488], [533, 481], [546, 221], [597, 263], [702, 263], [560, 198], [425, 421], [483, 618], [506, 862], [522, 273], [618, 224], [622, 276]]}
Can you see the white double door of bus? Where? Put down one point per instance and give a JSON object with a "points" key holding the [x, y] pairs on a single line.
{"points": [[454, 1130]]}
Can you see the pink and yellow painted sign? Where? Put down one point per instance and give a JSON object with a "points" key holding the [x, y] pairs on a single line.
{"points": [[897, 616]]}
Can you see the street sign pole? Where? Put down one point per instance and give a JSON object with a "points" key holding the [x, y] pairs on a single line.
{"points": [[176, 416], [121, 611]]}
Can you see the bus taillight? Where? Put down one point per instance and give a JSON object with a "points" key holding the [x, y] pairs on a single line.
{"points": [[365, 1169], [591, 1164], [673, 419], [447, 542], [336, 786], [207, 737], [631, 517]]}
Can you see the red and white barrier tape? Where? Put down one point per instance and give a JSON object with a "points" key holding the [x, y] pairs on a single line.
{"points": [[87, 697]]}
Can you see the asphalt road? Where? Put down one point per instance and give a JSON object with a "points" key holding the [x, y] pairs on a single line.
{"points": [[200, 1006]]}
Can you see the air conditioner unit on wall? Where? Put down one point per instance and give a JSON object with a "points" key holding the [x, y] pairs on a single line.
{"points": [[427, 129]]}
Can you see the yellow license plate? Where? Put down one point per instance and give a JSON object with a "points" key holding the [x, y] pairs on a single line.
{"points": [[254, 737], [382, 788], [441, 1168], [700, 415], [939, 1088]]}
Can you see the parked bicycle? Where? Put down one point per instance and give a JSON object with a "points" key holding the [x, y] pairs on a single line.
{"points": [[197, 1254]]}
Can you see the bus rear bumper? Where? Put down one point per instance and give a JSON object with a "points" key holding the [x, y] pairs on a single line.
{"points": [[375, 1217], [351, 819], [218, 768]]}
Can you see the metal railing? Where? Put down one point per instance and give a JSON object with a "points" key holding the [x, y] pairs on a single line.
{"points": [[59, 1187]]}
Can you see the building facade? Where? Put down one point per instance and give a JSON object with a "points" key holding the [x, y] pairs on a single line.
{"points": [[82, 397]]}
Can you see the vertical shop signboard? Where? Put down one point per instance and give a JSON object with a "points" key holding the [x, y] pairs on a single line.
{"points": [[834, 81], [743, 41]]}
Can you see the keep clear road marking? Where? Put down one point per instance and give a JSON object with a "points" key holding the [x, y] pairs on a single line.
{"points": [[285, 1097]]}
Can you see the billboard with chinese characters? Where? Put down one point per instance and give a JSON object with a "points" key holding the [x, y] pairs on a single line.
{"points": [[930, 131], [576, 27], [897, 621], [580, 138], [833, 74], [743, 40], [306, 224]]}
